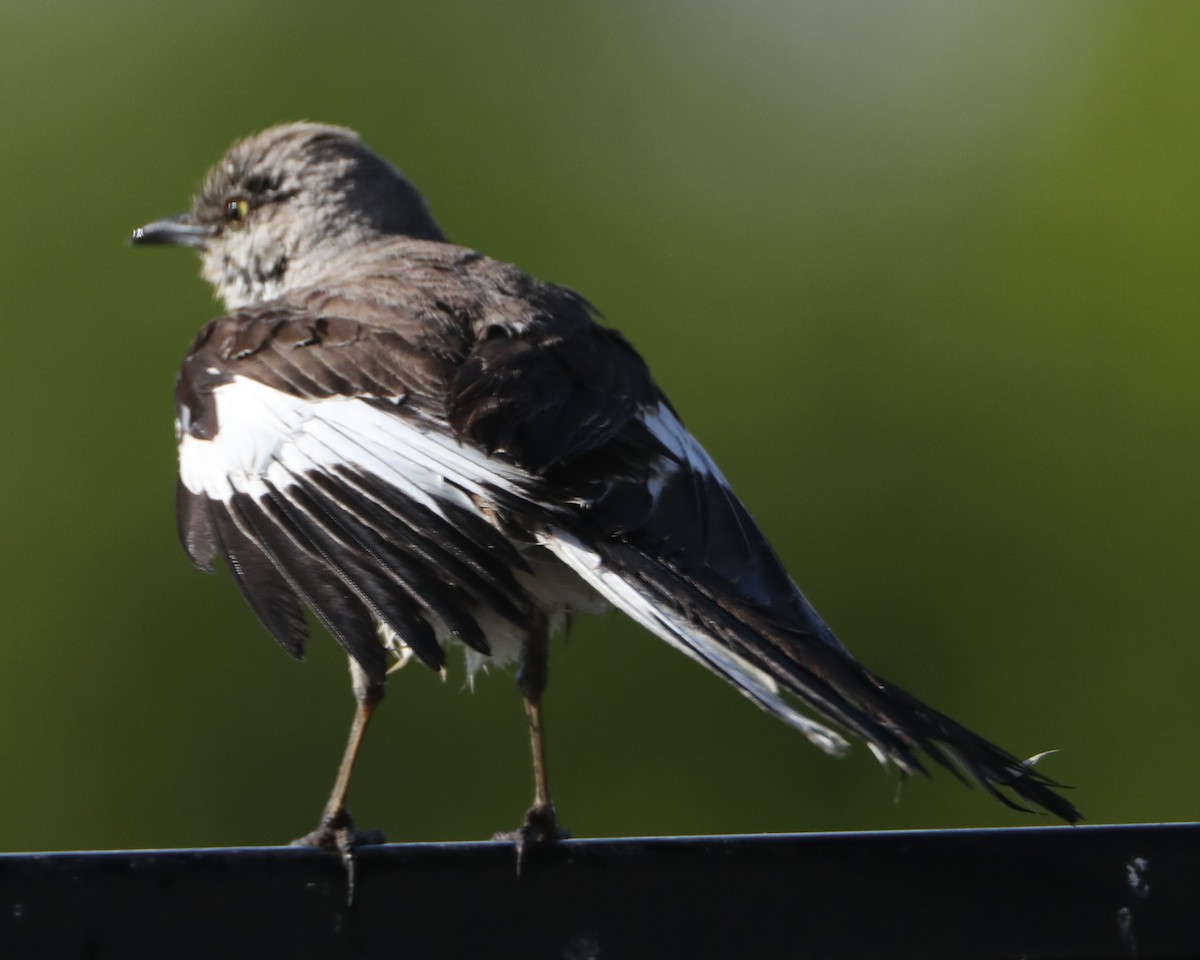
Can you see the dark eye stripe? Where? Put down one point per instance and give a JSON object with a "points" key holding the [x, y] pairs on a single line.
{"points": [[262, 184]]}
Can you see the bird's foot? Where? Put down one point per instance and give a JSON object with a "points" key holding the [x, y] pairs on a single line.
{"points": [[540, 829], [336, 832]]}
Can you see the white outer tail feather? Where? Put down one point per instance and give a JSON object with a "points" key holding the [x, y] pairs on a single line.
{"points": [[753, 682]]}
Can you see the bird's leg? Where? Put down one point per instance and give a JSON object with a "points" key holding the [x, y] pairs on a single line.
{"points": [[541, 822], [336, 829], [541, 792]]}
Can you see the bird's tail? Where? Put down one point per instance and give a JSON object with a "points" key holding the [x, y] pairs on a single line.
{"points": [[766, 658], [960, 750]]}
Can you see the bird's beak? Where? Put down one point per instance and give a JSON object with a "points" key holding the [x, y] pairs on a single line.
{"points": [[180, 230]]}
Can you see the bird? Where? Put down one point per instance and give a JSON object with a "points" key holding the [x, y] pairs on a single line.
{"points": [[427, 447]]}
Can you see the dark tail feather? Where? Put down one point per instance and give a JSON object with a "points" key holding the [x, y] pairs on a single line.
{"points": [[961, 750], [764, 658]]}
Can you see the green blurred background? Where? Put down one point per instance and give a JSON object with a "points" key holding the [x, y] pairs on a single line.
{"points": [[921, 276]]}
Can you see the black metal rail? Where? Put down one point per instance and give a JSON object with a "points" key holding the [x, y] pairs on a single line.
{"points": [[1096, 891]]}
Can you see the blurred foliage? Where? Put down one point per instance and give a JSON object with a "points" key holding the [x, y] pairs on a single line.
{"points": [[922, 277]]}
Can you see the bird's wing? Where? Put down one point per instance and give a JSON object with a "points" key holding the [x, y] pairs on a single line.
{"points": [[312, 456], [634, 505]]}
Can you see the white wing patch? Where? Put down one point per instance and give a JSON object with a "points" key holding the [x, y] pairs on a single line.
{"points": [[753, 682], [267, 436]]}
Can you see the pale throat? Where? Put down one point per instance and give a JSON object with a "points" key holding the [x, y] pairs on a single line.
{"points": [[242, 290], [239, 282]]}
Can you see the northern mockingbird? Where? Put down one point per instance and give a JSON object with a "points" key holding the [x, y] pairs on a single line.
{"points": [[423, 445]]}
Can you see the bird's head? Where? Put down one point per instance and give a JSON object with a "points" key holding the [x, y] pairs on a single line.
{"points": [[281, 201]]}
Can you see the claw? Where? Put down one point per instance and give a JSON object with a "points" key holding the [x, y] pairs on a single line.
{"points": [[540, 829], [337, 833]]}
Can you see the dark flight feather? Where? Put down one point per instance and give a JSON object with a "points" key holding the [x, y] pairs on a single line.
{"points": [[269, 593]]}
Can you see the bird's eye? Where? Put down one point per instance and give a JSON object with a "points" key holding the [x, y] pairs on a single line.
{"points": [[237, 209]]}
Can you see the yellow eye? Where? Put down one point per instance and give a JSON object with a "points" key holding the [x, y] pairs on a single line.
{"points": [[236, 210]]}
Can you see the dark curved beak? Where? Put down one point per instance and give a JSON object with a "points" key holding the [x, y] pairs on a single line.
{"points": [[180, 231]]}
